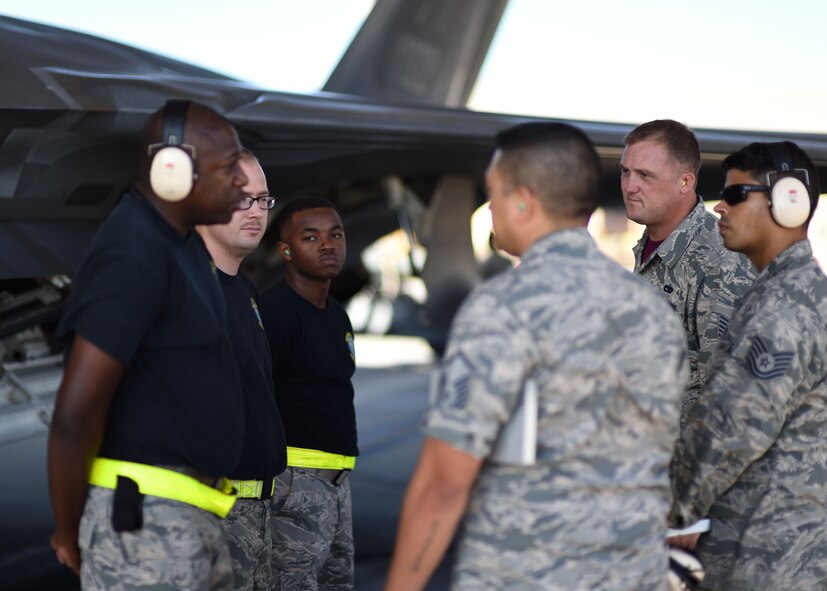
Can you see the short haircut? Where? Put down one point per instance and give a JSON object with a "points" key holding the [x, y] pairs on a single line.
{"points": [[679, 140], [556, 162], [300, 204], [756, 159], [246, 155]]}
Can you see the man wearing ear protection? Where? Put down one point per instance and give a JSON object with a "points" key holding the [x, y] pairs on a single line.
{"points": [[263, 455], [148, 419], [605, 361], [680, 252], [752, 452]]}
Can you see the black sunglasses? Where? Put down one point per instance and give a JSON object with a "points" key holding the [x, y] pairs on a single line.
{"points": [[735, 194]]}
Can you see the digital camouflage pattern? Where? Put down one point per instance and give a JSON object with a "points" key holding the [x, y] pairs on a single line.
{"points": [[703, 282], [179, 548], [248, 531], [312, 534], [609, 360], [753, 454]]}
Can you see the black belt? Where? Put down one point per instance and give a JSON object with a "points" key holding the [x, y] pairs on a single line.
{"points": [[335, 477], [210, 481]]}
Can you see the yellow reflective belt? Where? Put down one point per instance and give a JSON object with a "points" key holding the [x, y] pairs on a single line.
{"points": [[251, 489], [299, 457], [167, 484]]}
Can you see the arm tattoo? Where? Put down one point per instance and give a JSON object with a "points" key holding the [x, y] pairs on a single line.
{"points": [[429, 539]]}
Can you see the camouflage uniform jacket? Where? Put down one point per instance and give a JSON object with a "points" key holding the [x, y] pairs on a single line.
{"points": [[753, 454], [703, 282], [610, 363]]}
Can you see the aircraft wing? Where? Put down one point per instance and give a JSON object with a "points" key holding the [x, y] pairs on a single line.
{"points": [[73, 105]]}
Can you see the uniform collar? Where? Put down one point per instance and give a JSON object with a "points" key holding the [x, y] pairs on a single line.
{"points": [[793, 256], [674, 246], [570, 241]]}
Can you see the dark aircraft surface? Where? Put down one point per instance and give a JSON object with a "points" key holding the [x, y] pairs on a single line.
{"points": [[388, 141]]}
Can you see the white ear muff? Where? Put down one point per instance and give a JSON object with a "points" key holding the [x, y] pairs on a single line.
{"points": [[790, 202], [789, 195], [171, 174]]}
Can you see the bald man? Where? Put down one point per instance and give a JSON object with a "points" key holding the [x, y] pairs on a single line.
{"points": [[147, 419]]}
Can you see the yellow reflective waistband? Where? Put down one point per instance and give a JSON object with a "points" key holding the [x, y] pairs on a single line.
{"points": [[167, 484], [299, 457], [252, 489]]}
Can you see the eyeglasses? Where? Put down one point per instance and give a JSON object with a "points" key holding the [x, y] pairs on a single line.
{"points": [[264, 202], [735, 194]]}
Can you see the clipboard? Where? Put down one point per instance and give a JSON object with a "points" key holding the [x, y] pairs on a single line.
{"points": [[517, 443]]}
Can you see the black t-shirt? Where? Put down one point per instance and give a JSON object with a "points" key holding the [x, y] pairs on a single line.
{"points": [[313, 361], [150, 298], [263, 454]]}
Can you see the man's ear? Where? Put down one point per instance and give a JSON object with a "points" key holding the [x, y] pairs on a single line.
{"points": [[524, 200], [687, 182], [284, 250]]}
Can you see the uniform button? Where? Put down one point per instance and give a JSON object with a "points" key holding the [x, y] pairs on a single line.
{"points": [[668, 288]]}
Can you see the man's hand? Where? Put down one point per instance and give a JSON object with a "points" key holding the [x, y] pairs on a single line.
{"points": [[66, 548], [81, 406], [686, 542]]}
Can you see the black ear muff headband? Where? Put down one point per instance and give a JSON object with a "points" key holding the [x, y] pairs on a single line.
{"points": [[172, 172]]}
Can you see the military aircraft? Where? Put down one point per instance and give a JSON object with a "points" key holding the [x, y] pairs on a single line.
{"points": [[388, 140]]}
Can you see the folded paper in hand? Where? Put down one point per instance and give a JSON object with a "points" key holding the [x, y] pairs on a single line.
{"points": [[698, 527]]}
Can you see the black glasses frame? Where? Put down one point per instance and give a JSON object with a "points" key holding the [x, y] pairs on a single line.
{"points": [[735, 194], [264, 202]]}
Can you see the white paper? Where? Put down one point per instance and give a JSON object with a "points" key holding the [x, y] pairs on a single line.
{"points": [[696, 528], [517, 443]]}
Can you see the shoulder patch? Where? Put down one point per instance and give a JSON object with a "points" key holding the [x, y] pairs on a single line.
{"points": [[723, 325], [456, 373], [766, 365], [256, 312], [351, 345]]}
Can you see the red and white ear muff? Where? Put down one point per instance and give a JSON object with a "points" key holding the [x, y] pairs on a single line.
{"points": [[172, 171]]}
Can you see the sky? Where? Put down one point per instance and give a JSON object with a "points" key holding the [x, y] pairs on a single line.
{"points": [[733, 64]]}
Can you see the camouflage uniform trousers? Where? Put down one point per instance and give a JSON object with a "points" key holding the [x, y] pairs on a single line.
{"points": [[248, 530], [179, 547], [585, 540], [312, 534]]}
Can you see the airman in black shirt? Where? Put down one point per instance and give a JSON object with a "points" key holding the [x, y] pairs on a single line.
{"points": [[263, 454], [311, 339], [148, 411]]}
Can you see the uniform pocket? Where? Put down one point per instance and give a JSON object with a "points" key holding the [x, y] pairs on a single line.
{"points": [[86, 534], [283, 499]]}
